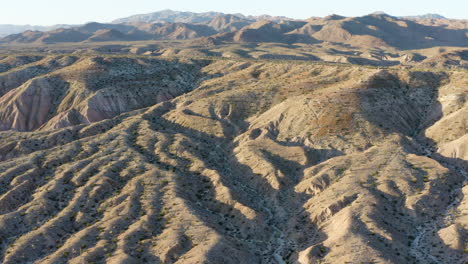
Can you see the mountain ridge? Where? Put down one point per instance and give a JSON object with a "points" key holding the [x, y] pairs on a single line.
{"points": [[367, 31], [171, 16], [425, 16]]}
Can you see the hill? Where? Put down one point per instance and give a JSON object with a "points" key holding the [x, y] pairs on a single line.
{"points": [[228, 23], [383, 30], [368, 32], [144, 160], [178, 137], [6, 29]]}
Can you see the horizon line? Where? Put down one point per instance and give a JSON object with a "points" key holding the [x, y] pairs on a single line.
{"points": [[246, 15]]}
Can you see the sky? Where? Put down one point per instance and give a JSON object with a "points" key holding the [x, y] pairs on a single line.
{"points": [[50, 12]]}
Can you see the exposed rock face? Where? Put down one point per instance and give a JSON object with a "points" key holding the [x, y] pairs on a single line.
{"points": [[233, 162], [28, 106], [88, 90]]}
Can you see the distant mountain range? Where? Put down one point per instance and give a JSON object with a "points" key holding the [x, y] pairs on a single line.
{"points": [[426, 16], [160, 16], [6, 29], [188, 17], [374, 30], [170, 16]]}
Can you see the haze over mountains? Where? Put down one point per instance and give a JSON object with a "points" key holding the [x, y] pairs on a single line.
{"points": [[6, 30], [160, 16], [373, 30], [426, 16], [189, 17]]}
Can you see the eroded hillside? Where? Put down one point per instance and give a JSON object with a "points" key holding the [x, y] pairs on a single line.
{"points": [[234, 162], [59, 91]]}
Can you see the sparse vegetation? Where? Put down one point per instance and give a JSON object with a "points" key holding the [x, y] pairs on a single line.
{"points": [[232, 160]]}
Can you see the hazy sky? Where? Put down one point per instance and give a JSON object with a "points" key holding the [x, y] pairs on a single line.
{"points": [[48, 12]]}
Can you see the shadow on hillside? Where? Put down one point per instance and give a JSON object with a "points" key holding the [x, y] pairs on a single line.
{"points": [[410, 36], [396, 102], [258, 240]]}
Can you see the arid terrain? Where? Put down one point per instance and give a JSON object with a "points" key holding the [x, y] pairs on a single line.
{"points": [[376, 40], [224, 149]]}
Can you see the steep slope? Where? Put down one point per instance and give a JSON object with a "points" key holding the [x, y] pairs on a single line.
{"points": [[450, 119], [108, 35], [267, 31], [24, 37], [261, 162], [228, 23], [375, 31], [54, 36], [182, 31], [448, 59], [382, 30], [87, 90], [6, 29], [372, 31], [9, 62]]}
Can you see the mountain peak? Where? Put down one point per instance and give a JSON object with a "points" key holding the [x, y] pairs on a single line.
{"points": [[380, 14], [334, 17]]}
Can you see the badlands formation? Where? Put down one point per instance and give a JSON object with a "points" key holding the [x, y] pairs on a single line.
{"points": [[128, 159], [177, 137]]}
